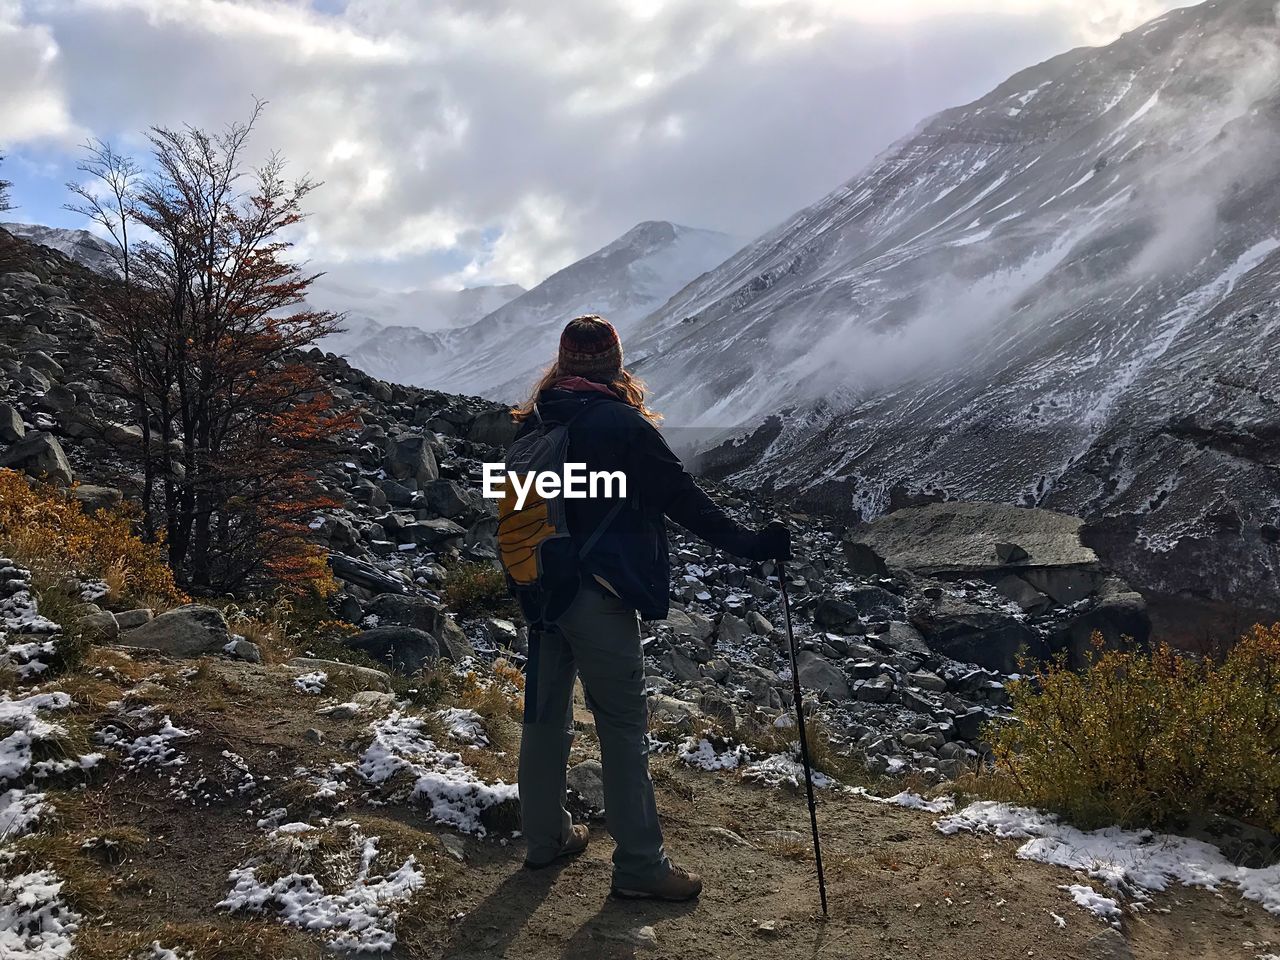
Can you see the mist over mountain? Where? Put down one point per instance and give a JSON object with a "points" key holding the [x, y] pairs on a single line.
{"points": [[1062, 294], [499, 355]]}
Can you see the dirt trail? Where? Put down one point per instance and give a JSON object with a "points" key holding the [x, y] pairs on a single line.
{"points": [[898, 888]]}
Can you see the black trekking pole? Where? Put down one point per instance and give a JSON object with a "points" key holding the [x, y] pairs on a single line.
{"points": [[804, 742]]}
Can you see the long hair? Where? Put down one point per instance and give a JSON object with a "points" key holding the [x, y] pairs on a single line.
{"points": [[629, 388]]}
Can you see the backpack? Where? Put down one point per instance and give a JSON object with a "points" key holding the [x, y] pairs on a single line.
{"points": [[534, 546]]}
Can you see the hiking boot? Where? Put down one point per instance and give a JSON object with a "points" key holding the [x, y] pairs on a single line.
{"points": [[678, 884], [579, 836]]}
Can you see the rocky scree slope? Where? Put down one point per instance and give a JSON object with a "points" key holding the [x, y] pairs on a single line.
{"points": [[1060, 295], [907, 658]]}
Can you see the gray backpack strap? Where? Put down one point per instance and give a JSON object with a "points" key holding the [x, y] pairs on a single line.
{"points": [[600, 529]]}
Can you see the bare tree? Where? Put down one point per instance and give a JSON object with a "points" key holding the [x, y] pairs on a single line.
{"points": [[203, 337]]}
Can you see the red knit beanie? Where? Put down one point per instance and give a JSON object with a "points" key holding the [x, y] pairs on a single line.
{"points": [[590, 348]]}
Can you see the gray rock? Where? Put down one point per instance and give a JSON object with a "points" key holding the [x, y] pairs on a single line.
{"points": [[40, 455], [836, 615], [406, 649], [406, 611], [684, 623], [1011, 553], [128, 619], [188, 631], [444, 498], [493, 427], [246, 650], [863, 560], [1027, 597], [877, 690], [732, 629], [970, 723], [959, 537], [976, 634], [586, 779], [94, 498], [500, 632], [678, 665], [12, 428], [875, 603], [817, 674], [454, 644], [364, 574], [927, 680], [98, 625], [410, 457], [759, 625], [432, 534]]}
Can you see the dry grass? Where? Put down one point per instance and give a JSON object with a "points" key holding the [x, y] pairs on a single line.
{"points": [[224, 939]]}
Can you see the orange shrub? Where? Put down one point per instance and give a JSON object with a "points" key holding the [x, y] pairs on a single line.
{"points": [[44, 528]]}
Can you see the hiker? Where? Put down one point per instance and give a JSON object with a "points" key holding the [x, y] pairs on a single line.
{"points": [[617, 574]]}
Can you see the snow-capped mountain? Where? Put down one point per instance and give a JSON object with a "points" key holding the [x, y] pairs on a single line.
{"points": [[371, 311], [499, 355], [80, 245], [1062, 294]]}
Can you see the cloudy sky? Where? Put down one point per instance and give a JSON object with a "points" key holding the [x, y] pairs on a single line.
{"points": [[476, 141]]}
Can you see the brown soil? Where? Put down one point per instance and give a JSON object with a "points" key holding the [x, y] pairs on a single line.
{"points": [[897, 887]]}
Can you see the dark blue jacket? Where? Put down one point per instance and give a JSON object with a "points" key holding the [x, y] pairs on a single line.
{"points": [[632, 552]]}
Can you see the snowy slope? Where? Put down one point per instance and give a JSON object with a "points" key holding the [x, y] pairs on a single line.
{"points": [[1063, 294], [80, 245], [499, 355]]}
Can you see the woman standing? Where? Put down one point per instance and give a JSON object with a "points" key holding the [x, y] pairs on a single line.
{"points": [[592, 626]]}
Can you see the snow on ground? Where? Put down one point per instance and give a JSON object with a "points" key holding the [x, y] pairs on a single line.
{"points": [[311, 683], [153, 748], [1136, 863], [450, 789], [912, 801], [1104, 908], [465, 726], [26, 644], [35, 922], [702, 753], [359, 917], [779, 769]]}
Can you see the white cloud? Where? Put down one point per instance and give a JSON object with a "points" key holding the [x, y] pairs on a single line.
{"points": [[490, 140]]}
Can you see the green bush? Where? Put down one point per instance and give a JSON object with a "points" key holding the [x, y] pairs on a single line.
{"points": [[1149, 738], [478, 589]]}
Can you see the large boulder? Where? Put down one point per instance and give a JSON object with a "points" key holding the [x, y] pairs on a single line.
{"points": [[875, 603], [406, 611], [822, 676], [493, 427], [188, 631], [971, 633], [410, 457], [40, 455], [961, 538], [94, 498], [406, 649]]}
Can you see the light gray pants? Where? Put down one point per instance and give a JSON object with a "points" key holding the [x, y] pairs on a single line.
{"points": [[599, 638]]}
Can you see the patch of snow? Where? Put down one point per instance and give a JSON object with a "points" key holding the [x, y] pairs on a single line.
{"points": [[359, 917], [1105, 908], [311, 683], [702, 753], [464, 725], [1134, 862], [452, 791], [20, 809], [912, 801], [147, 749], [778, 769], [35, 922]]}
